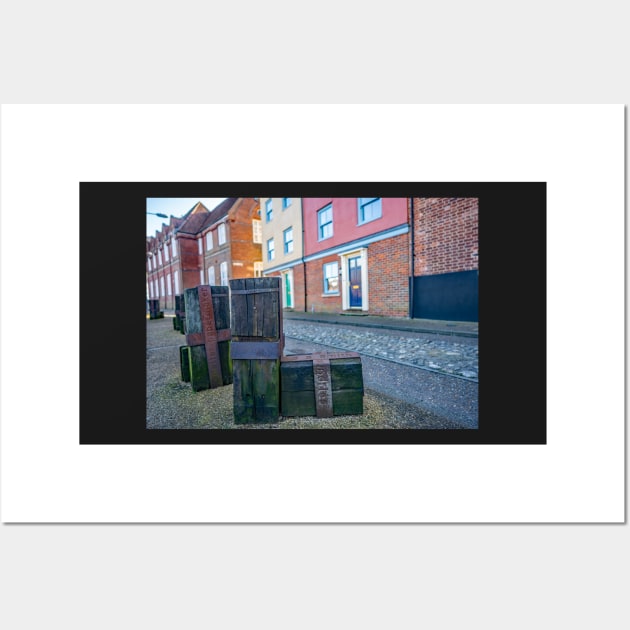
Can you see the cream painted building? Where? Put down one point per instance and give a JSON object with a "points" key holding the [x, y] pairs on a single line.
{"points": [[281, 219]]}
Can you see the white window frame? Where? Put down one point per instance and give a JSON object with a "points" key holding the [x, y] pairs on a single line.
{"points": [[162, 286], [223, 270], [284, 241], [159, 257], [319, 223], [258, 269], [209, 241], [286, 202], [221, 234], [257, 231], [165, 252], [368, 202], [168, 284], [176, 278], [324, 276], [212, 280], [201, 276], [199, 246], [269, 210], [271, 253]]}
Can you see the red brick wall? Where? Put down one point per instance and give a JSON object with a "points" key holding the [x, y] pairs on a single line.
{"points": [[298, 285], [189, 260], [388, 277], [316, 301], [244, 251], [446, 235]]}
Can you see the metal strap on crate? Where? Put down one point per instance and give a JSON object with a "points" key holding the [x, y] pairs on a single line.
{"points": [[256, 349], [210, 335]]}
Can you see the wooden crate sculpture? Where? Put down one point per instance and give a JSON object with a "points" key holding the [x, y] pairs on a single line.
{"points": [[257, 345], [154, 309], [179, 321], [322, 384], [207, 338]]}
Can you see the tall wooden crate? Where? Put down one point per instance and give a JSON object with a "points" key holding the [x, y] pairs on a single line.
{"points": [[257, 345], [207, 337]]}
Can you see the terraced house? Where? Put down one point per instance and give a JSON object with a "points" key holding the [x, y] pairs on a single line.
{"points": [[281, 219]]}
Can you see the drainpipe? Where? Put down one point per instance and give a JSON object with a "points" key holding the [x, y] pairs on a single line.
{"points": [[412, 257]]}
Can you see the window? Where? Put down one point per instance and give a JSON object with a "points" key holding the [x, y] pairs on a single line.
{"points": [[258, 269], [165, 252], [286, 202], [174, 246], [269, 209], [288, 240], [209, 241], [201, 276], [270, 250], [257, 227], [324, 221], [369, 209], [211, 278], [168, 284], [176, 278], [200, 246], [221, 233], [224, 274], [159, 257], [162, 286], [331, 277]]}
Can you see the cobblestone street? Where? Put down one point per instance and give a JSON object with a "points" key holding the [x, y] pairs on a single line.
{"points": [[455, 356]]}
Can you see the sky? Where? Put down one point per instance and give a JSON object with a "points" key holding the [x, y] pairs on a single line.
{"points": [[176, 206]]}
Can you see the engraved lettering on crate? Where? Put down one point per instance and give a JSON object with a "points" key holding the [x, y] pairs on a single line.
{"points": [[323, 385], [209, 331]]}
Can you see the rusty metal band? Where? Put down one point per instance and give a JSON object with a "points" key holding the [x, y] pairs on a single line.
{"points": [[323, 385], [199, 339], [208, 327], [330, 355], [255, 349]]}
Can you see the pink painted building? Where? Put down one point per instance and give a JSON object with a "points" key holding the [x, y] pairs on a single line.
{"points": [[356, 254]]}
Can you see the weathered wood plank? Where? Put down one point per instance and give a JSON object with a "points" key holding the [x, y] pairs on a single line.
{"points": [[243, 405], [184, 361], [199, 375]]}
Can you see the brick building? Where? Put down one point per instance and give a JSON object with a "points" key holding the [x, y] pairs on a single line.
{"points": [[339, 254], [204, 247], [164, 264], [445, 258]]}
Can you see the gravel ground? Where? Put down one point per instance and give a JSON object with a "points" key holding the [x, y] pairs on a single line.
{"points": [[172, 404]]}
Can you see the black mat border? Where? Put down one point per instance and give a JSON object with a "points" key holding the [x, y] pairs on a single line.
{"points": [[512, 307]]}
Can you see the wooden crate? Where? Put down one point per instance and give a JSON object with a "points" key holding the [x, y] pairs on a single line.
{"points": [[208, 337], [321, 384], [154, 309], [179, 321], [257, 344]]}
